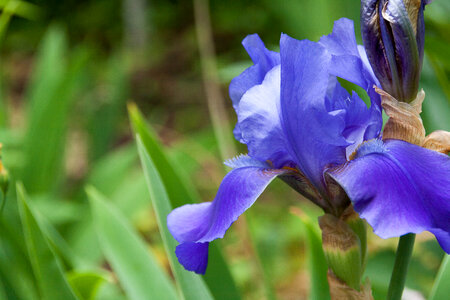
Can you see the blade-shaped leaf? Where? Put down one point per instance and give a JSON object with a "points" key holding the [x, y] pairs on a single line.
{"points": [[106, 117], [51, 94], [86, 284], [191, 285], [316, 260], [50, 278], [441, 287], [178, 189], [138, 271], [179, 192]]}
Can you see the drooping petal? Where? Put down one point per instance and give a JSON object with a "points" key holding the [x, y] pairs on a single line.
{"points": [[259, 121], [193, 225], [399, 188], [314, 135], [193, 256], [243, 160]]}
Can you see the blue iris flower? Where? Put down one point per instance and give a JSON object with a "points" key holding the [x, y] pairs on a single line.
{"points": [[301, 125]]}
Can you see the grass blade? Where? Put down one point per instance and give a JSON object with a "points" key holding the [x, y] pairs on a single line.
{"points": [[86, 285], [47, 269], [108, 114], [318, 267], [191, 285], [177, 188], [180, 192], [51, 94], [138, 271], [441, 288]]}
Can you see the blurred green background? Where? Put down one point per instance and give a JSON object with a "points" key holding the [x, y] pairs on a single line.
{"points": [[68, 70]]}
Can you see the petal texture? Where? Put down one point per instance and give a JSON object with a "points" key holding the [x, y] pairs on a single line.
{"points": [[259, 121], [314, 134], [264, 60], [194, 225], [349, 61], [193, 256], [400, 188]]}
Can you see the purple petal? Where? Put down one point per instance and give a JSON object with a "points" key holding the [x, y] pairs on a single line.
{"points": [[400, 188], [314, 134], [259, 121], [361, 123], [243, 160], [193, 256], [206, 222], [263, 59], [349, 62]]}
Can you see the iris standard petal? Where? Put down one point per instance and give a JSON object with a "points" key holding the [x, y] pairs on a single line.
{"points": [[314, 135], [264, 60], [361, 123], [399, 188], [194, 225], [259, 121], [347, 61]]}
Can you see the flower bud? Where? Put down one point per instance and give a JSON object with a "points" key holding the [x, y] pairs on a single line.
{"points": [[393, 34], [342, 249]]}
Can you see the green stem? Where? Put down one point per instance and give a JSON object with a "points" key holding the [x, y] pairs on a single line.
{"points": [[402, 258]]}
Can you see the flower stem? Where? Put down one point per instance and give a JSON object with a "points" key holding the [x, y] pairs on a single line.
{"points": [[402, 258]]}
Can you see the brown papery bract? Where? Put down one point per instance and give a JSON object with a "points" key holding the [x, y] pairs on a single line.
{"points": [[406, 124]]}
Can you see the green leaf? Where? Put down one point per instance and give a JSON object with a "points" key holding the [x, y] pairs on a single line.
{"points": [[441, 287], [138, 271], [180, 192], [316, 260], [178, 189], [86, 284], [51, 281], [12, 257], [51, 95], [106, 176], [107, 115], [191, 285]]}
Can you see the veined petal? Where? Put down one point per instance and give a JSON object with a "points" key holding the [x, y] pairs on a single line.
{"points": [[313, 133], [259, 121], [194, 224], [400, 188]]}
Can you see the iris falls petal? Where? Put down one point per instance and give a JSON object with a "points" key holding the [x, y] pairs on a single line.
{"points": [[400, 188], [195, 225]]}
